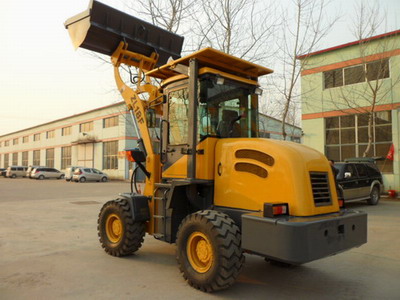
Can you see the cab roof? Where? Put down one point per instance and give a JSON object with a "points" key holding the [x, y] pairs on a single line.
{"points": [[209, 57]]}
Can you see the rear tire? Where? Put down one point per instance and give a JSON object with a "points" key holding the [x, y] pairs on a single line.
{"points": [[104, 179], [13, 176], [82, 179], [375, 195], [208, 250], [119, 235], [41, 177]]}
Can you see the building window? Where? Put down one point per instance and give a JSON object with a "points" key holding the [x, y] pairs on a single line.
{"points": [[25, 158], [333, 78], [25, 139], [85, 127], [374, 70], [354, 74], [6, 143], [378, 69], [66, 131], [110, 155], [36, 158], [50, 134], [15, 141], [50, 158], [6, 160], [65, 157], [36, 137], [15, 159], [110, 122], [347, 137]]}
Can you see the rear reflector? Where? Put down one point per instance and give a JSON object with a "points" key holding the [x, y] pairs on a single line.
{"points": [[275, 209]]}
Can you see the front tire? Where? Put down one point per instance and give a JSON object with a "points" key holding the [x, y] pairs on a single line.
{"points": [[119, 235], [82, 179], [208, 250], [41, 177], [375, 195]]}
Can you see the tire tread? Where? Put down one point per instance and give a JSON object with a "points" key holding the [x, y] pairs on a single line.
{"points": [[133, 236], [228, 246]]}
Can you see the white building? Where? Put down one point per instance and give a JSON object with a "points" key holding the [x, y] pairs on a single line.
{"points": [[93, 139]]}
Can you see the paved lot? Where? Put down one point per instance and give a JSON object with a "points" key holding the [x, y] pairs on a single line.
{"points": [[49, 250]]}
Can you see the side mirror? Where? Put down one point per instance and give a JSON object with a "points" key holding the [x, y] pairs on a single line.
{"points": [[151, 118], [347, 175]]}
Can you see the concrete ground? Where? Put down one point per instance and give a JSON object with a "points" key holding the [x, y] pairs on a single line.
{"points": [[49, 250]]}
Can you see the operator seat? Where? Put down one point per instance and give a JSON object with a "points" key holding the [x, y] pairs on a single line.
{"points": [[228, 126]]}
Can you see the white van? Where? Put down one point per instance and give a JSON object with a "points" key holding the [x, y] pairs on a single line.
{"points": [[16, 171]]}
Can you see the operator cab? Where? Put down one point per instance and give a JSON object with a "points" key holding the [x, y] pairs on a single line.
{"points": [[208, 96]]}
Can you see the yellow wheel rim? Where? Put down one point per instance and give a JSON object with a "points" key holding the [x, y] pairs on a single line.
{"points": [[114, 228], [200, 252]]}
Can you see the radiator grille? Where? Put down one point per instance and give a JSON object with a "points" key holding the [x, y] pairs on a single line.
{"points": [[320, 188]]}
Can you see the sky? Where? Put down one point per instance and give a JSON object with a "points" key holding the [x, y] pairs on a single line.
{"points": [[43, 79]]}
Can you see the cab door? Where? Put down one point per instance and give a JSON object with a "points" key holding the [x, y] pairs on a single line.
{"points": [[175, 129]]}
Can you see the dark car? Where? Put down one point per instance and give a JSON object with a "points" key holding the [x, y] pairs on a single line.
{"points": [[359, 180]]}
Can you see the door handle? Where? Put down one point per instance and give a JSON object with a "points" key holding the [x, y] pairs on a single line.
{"points": [[219, 169]]}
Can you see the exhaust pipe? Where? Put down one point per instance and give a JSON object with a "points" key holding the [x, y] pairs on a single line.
{"points": [[101, 28]]}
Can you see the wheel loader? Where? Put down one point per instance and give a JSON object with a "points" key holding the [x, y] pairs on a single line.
{"points": [[212, 186]]}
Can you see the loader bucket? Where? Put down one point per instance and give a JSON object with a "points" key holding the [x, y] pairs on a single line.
{"points": [[101, 28]]}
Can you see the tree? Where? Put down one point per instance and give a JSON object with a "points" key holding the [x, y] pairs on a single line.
{"points": [[301, 33], [236, 27], [170, 15]]}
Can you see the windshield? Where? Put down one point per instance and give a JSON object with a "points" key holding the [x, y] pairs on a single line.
{"points": [[227, 108]]}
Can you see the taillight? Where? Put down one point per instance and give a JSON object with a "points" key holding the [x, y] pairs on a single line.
{"points": [[275, 209], [37, 171], [341, 203], [80, 172]]}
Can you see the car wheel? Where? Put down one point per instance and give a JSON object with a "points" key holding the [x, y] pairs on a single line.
{"points": [[104, 179], [208, 250], [61, 177], [375, 195], [13, 176], [82, 179], [41, 177]]}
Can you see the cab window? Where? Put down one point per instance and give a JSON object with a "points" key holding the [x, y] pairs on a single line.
{"points": [[178, 106], [227, 108]]}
